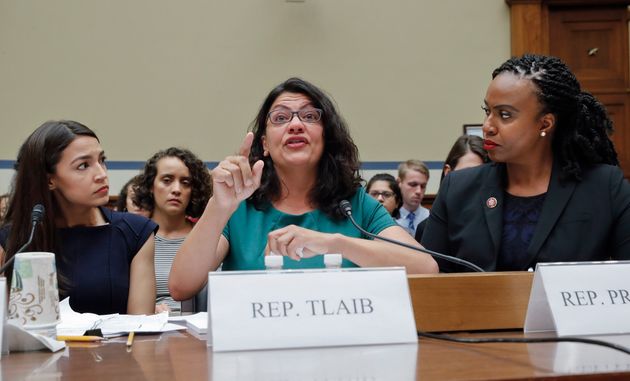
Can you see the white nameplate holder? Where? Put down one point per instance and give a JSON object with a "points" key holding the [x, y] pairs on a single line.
{"points": [[250, 310], [580, 298]]}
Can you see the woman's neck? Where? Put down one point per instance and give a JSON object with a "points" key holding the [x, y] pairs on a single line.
{"points": [[295, 188], [529, 179], [73, 215], [172, 226]]}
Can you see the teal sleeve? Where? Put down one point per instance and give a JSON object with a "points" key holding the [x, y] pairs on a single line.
{"points": [[226, 231]]}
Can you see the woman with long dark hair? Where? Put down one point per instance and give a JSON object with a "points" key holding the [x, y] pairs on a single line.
{"points": [[104, 259], [554, 193], [281, 195]]}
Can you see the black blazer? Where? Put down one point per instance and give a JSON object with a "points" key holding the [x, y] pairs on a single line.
{"points": [[587, 220]]}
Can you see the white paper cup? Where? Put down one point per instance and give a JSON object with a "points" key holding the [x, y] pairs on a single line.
{"points": [[34, 297]]}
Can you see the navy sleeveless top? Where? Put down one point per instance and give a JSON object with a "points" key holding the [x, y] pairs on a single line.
{"points": [[520, 217], [95, 261]]}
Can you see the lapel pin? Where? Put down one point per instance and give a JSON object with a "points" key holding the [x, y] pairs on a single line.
{"points": [[491, 203]]}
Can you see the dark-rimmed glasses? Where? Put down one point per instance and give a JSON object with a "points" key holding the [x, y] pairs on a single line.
{"points": [[307, 115], [385, 194]]}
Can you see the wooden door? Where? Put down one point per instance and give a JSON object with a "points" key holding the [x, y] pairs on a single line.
{"points": [[593, 41]]}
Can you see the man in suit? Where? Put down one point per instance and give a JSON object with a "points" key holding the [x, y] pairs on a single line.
{"points": [[413, 176]]}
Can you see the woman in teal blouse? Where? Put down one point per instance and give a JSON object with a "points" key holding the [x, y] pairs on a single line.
{"points": [[281, 193]]}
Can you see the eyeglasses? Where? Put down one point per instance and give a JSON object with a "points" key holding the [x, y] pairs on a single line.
{"points": [[307, 115], [385, 194]]}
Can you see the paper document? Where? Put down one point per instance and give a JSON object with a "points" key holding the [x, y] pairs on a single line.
{"points": [[21, 339], [197, 322], [74, 323]]}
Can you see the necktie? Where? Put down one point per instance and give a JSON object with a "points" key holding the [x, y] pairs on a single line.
{"points": [[411, 217]]}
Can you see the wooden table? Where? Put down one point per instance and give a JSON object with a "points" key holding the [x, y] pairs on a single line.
{"points": [[179, 356]]}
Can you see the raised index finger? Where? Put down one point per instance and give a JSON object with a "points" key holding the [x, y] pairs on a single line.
{"points": [[246, 146]]}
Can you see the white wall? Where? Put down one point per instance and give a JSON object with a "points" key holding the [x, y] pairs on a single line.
{"points": [[148, 74]]}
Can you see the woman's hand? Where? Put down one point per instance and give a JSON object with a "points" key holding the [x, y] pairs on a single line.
{"points": [[296, 242], [234, 180]]}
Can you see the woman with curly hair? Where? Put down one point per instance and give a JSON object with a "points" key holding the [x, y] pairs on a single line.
{"points": [[281, 193], [555, 172], [174, 187], [125, 201]]}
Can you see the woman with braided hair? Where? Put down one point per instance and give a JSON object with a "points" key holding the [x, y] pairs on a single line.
{"points": [[554, 191]]}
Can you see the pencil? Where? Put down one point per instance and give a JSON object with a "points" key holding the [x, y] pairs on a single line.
{"points": [[130, 339], [79, 338]]}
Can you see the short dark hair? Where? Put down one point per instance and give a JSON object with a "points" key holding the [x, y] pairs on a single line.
{"points": [[393, 185], [582, 124], [463, 145], [338, 171], [201, 183]]}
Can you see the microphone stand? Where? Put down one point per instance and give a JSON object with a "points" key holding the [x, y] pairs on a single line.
{"points": [[346, 209], [36, 216]]}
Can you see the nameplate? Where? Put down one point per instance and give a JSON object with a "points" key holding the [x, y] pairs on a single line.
{"points": [[585, 298], [361, 363], [249, 310]]}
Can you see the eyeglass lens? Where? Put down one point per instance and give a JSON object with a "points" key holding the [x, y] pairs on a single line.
{"points": [[308, 115], [385, 194]]}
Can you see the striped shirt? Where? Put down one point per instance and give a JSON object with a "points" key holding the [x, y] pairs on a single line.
{"points": [[165, 250]]}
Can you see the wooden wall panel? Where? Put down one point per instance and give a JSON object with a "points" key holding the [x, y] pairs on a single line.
{"points": [[591, 36], [592, 42]]}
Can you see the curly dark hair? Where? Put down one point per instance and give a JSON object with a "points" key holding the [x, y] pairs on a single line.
{"points": [[121, 203], [393, 185], [201, 183], [581, 136], [338, 172]]}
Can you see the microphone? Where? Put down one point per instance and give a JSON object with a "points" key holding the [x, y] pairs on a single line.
{"points": [[37, 214], [346, 210]]}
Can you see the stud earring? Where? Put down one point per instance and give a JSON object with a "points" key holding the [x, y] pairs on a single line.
{"points": [[543, 134], [265, 153]]}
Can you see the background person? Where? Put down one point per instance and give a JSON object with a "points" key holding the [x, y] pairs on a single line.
{"points": [[281, 194], [4, 204], [174, 184], [125, 202], [413, 177], [466, 152], [555, 171], [384, 189], [104, 258]]}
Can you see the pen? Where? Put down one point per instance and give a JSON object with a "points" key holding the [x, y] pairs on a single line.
{"points": [[130, 339], [79, 338]]}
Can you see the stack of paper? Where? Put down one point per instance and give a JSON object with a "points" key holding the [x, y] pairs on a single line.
{"points": [[75, 324], [197, 323]]}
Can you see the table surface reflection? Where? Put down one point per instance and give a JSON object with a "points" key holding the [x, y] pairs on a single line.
{"points": [[178, 355]]}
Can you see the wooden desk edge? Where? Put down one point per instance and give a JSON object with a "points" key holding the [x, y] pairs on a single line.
{"points": [[470, 301]]}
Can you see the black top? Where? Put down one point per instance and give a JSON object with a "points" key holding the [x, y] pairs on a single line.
{"points": [[95, 261], [520, 216], [587, 220]]}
